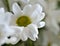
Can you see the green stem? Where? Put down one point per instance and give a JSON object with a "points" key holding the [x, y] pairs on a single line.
{"points": [[29, 43], [7, 4]]}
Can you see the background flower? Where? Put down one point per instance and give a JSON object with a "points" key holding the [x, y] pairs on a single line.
{"points": [[5, 31]]}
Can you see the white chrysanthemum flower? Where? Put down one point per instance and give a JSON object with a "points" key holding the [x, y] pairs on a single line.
{"points": [[29, 18], [24, 23]]}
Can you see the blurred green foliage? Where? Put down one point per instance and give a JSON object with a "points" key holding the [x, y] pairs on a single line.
{"points": [[58, 4]]}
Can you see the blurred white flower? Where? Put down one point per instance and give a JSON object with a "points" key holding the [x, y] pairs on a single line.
{"points": [[49, 38], [4, 33], [54, 44]]}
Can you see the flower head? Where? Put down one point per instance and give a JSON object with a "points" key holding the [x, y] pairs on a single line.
{"points": [[23, 24], [29, 18]]}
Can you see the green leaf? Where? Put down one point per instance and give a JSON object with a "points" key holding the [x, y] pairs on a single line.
{"points": [[58, 4], [6, 3]]}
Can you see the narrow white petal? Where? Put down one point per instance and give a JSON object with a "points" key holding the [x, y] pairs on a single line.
{"points": [[31, 31], [27, 9], [2, 11], [41, 24], [8, 16], [16, 9]]}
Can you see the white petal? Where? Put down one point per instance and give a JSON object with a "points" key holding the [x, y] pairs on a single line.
{"points": [[16, 9], [2, 41], [36, 16], [23, 36], [8, 17], [29, 9], [2, 17], [2, 31], [24, 1], [17, 28], [41, 24], [2, 34], [31, 31], [5, 18], [13, 20], [42, 16], [2, 37], [2, 11], [5, 32], [38, 7], [14, 32], [19, 32], [9, 31]]}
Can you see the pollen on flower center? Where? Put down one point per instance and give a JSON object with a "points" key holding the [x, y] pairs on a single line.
{"points": [[23, 21]]}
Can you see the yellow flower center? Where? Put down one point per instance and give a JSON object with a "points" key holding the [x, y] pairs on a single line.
{"points": [[23, 21]]}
